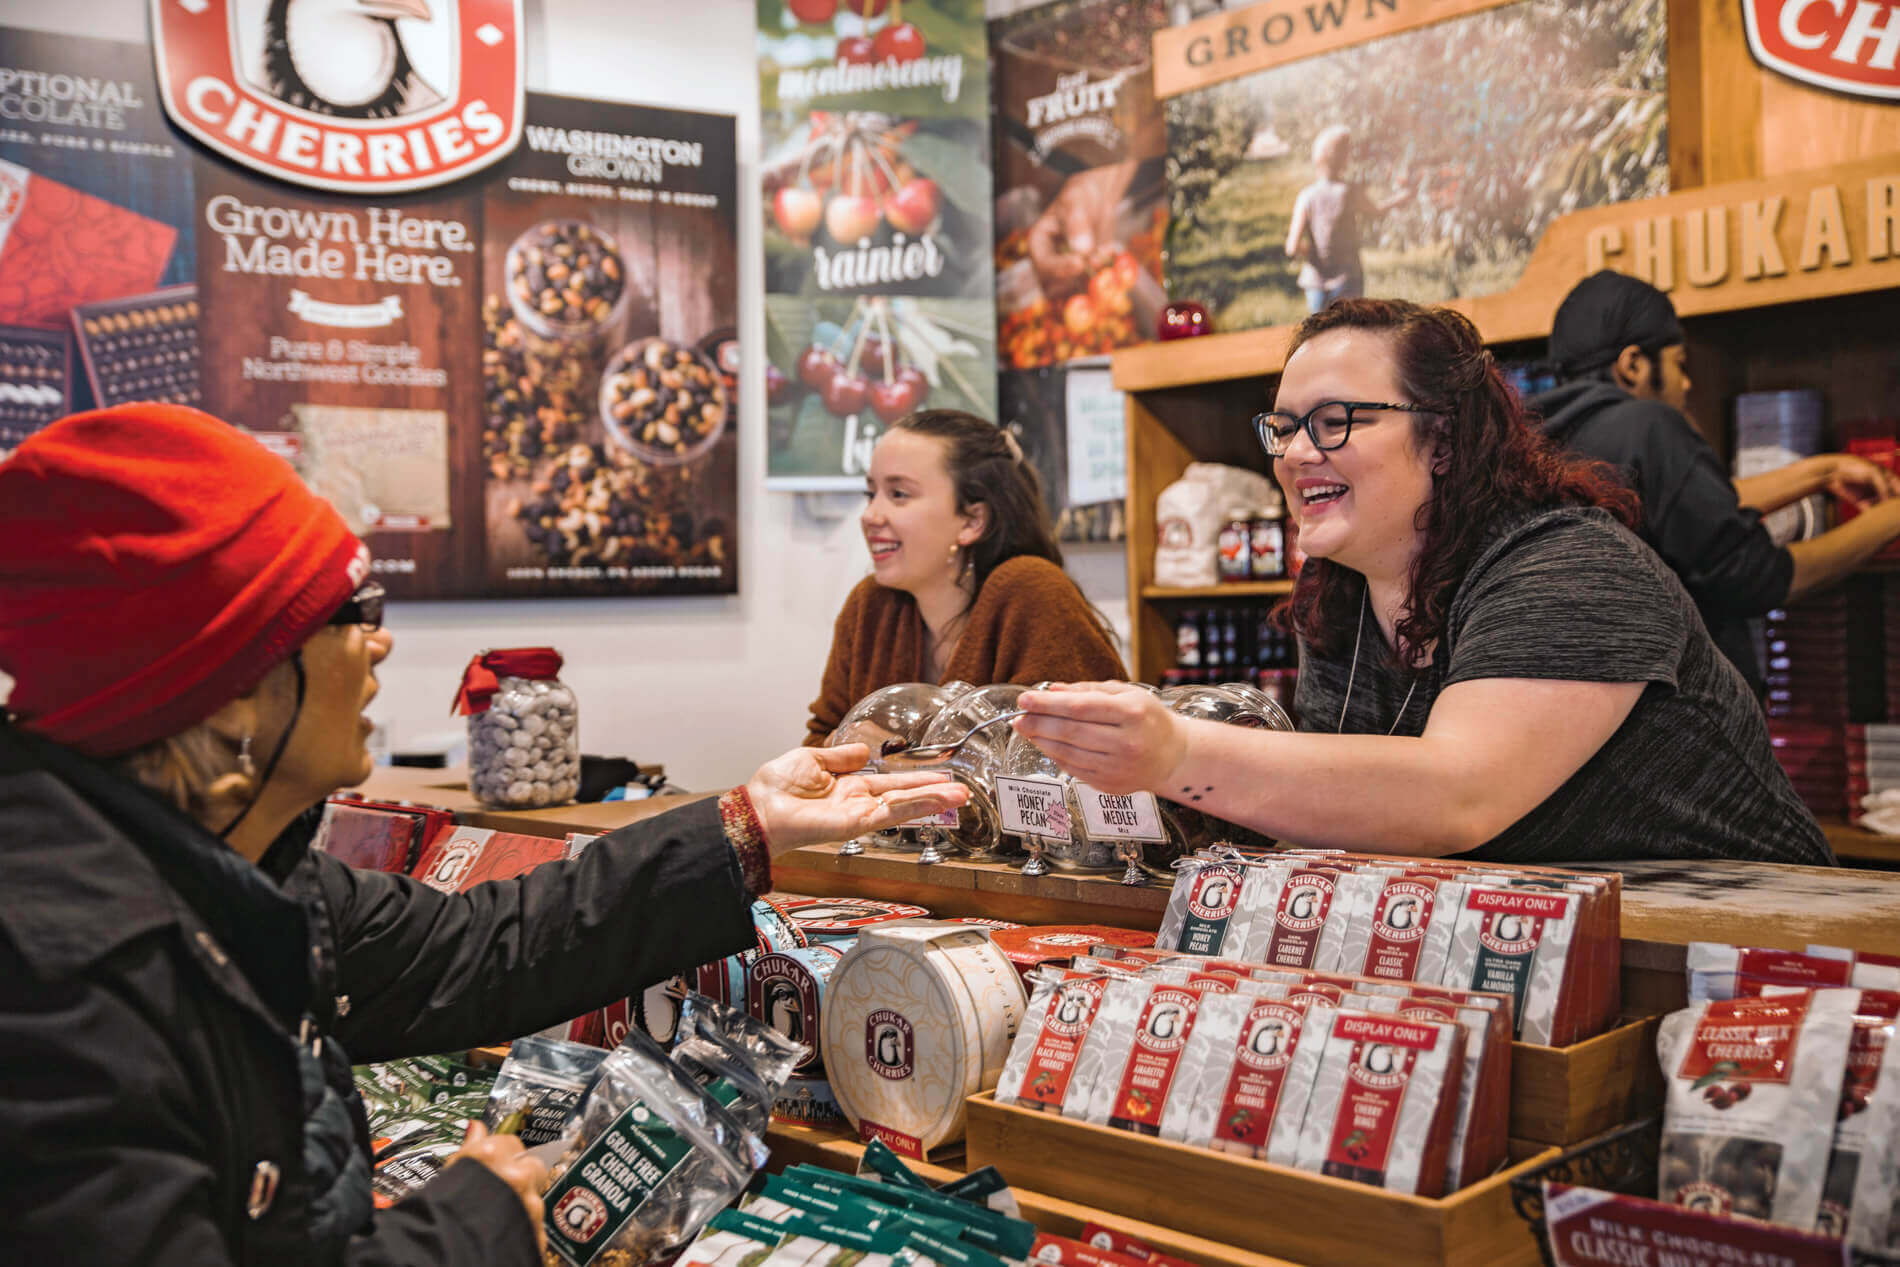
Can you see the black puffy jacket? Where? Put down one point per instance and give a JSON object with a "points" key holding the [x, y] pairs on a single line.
{"points": [[173, 1088], [1691, 516]]}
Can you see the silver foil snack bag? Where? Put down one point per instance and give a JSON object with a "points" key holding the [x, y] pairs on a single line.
{"points": [[1753, 1092]]}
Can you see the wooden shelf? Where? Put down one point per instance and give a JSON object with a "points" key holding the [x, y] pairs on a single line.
{"points": [[835, 1148], [1210, 358], [1853, 844], [1230, 589]]}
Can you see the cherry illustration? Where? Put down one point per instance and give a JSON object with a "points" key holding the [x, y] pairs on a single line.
{"points": [[845, 394], [814, 11], [797, 211], [849, 217], [913, 208], [900, 42], [857, 50], [815, 368]]}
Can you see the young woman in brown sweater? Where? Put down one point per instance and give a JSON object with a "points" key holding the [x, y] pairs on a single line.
{"points": [[966, 578]]}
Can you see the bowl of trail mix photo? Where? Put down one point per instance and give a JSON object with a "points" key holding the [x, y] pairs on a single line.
{"points": [[663, 402]]}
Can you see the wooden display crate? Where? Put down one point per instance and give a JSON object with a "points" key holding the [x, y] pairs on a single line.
{"points": [[1268, 1209], [1564, 1095]]}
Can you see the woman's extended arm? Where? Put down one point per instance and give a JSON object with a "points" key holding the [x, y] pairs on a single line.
{"points": [[1492, 751]]}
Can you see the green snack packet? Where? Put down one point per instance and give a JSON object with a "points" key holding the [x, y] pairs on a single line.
{"points": [[886, 1165]]}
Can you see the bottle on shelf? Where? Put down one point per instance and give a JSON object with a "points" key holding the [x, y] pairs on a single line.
{"points": [[1267, 541], [1236, 546]]}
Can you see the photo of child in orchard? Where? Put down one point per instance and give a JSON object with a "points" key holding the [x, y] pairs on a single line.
{"points": [[1424, 165]]}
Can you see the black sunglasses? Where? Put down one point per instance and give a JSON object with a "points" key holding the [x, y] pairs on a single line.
{"points": [[1328, 424], [365, 608]]}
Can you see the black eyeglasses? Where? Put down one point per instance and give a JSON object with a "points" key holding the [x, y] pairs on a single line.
{"points": [[1328, 423], [365, 608]]}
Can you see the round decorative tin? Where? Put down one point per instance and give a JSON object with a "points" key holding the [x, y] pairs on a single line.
{"points": [[786, 990], [917, 1018]]}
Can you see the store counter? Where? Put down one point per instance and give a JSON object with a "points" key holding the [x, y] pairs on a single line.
{"points": [[448, 789]]}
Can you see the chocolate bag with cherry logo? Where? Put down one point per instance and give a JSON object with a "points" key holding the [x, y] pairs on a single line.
{"points": [[1517, 942], [1297, 923], [1383, 1103], [1245, 1075], [1863, 1168], [1753, 1092], [1403, 930], [1141, 1061], [1042, 1060], [1203, 906]]}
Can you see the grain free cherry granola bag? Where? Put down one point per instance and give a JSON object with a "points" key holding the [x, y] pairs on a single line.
{"points": [[1753, 1092]]}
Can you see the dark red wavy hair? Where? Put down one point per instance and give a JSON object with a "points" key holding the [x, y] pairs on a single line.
{"points": [[1489, 463]]}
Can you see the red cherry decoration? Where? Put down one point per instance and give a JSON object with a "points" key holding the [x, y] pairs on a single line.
{"points": [[875, 358], [914, 376], [896, 398], [813, 11], [914, 206], [1183, 319], [857, 50], [815, 368], [845, 394], [900, 42]]}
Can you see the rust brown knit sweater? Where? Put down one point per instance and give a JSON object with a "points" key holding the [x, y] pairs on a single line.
{"points": [[1029, 624]]}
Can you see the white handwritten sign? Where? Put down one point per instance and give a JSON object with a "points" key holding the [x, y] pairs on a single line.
{"points": [[1032, 806], [1113, 816]]}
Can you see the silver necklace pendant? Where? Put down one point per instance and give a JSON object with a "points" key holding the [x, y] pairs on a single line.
{"points": [[1358, 637]]}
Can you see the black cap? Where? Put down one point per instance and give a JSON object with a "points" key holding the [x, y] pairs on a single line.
{"points": [[1607, 312]]}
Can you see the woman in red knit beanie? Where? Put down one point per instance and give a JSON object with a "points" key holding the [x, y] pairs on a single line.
{"points": [[194, 639]]}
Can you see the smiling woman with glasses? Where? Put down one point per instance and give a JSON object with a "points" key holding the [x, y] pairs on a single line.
{"points": [[1490, 660]]}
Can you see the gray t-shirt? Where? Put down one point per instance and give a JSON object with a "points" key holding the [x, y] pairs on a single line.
{"points": [[1569, 594]]}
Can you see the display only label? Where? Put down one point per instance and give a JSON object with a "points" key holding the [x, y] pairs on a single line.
{"points": [[1032, 806], [1119, 816], [1378, 1070], [410, 95], [1586, 1227], [895, 1140]]}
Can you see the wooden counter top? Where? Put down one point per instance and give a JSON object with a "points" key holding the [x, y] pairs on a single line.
{"points": [[448, 789], [1672, 903], [1667, 903]]}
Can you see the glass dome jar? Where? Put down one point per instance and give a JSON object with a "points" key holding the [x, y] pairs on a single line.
{"points": [[888, 721], [978, 832]]}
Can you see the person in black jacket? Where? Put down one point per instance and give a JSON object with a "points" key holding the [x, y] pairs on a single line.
{"points": [[1617, 342], [193, 642]]}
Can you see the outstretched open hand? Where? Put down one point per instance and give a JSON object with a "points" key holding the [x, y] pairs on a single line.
{"points": [[812, 795]]}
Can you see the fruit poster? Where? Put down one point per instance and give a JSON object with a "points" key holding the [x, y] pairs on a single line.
{"points": [[1081, 186], [1423, 165], [519, 383], [876, 191]]}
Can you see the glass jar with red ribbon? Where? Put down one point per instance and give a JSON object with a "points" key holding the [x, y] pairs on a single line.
{"points": [[524, 748]]}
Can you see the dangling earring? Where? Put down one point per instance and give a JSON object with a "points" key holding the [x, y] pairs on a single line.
{"points": [[246, 766], [954, 548]]}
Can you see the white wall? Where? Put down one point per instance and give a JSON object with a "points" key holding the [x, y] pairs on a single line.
{"points": [[710, 686]]}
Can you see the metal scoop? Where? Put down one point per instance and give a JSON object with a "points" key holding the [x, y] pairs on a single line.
{"points": [[938, 751]]}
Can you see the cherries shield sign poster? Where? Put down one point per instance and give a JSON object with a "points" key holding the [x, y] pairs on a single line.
{"points": [[497, 330]]}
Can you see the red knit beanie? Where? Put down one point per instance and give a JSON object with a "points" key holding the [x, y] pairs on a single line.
{"points": [[155, 563]]}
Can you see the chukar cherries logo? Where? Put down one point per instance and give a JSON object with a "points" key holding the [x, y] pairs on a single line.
{"points": [[888, 1047], [1850, 46], [359, 96]]}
